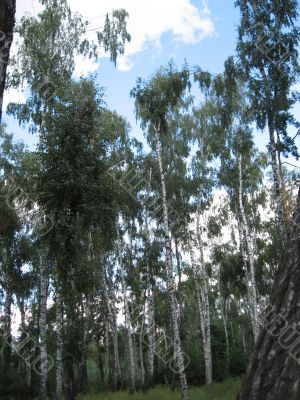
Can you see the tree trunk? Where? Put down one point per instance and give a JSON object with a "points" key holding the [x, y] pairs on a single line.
{"points": [[70, 303], [114, 329], [205, 303], [112, 316], [6, 267], [142, 353], [224, 319], [128, 328], [86, 318], [274, 372], [59, 348], [224, 314], [128, 324], [170, 279], [204, 315], [248, 244], [150, 316], [178, 261], [27, 366], [151, 333], [201, 280], [277, 188], [7, 23], [286, 199], [106, 357], [7, 333], [43, 326]]}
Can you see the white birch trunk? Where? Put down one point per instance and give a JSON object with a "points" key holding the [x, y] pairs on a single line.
{"points": [[128, 324], [277, 187], [106, 357], [250, 256], [151, 332], [7, 314], [150, 318], [21, 305], [128, 327], [59, 348], [224, 319], [142, 368], [242, 248], [205, 304], [117, 368], [7, 327], [170, 278], [43, 327], [112, 315], [204, 313]]}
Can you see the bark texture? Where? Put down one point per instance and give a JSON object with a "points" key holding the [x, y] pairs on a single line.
{"points": [[27, 366], [150, 314], [151, 332], [7, 333], [142, 369], [170, 279], [204, 303], [249, 260], [128, 324], [277, 187], [43, 327], [274, 370], [7, 23], [112, 316], [204, 315], [69, 298], [130, 344], [59, 348]]}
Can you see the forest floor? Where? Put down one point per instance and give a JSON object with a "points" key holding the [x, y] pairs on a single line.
{"points": [[226, 390]]}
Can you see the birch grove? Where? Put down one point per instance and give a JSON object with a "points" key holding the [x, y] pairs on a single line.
{"points": [[163, 260]]}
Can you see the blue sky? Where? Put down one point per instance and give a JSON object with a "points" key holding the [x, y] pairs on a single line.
{"points": [[201, 32], [210, 54]]}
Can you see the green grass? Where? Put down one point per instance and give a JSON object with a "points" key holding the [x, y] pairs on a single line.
{"points": [[226, 390]]}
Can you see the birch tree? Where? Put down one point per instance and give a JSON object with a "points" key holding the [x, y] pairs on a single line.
{"points": [[248, 243], [227, 110], [268, 38], [154, 100], [110, 300], [201, 278]]}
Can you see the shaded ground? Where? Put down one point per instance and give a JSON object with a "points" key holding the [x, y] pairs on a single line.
{"points": [[220, 391]]}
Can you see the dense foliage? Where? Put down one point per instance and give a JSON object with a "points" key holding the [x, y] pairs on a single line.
{"points": [[122, 268]]}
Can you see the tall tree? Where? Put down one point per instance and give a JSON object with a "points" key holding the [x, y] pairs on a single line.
{"points": [[76, 128], [227, 111], [267, 47], [154, 101], [46, 61], [15, 241]]}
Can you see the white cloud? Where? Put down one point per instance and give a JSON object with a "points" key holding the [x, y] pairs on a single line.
{"points": [[148, 21], [85, 66]]}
